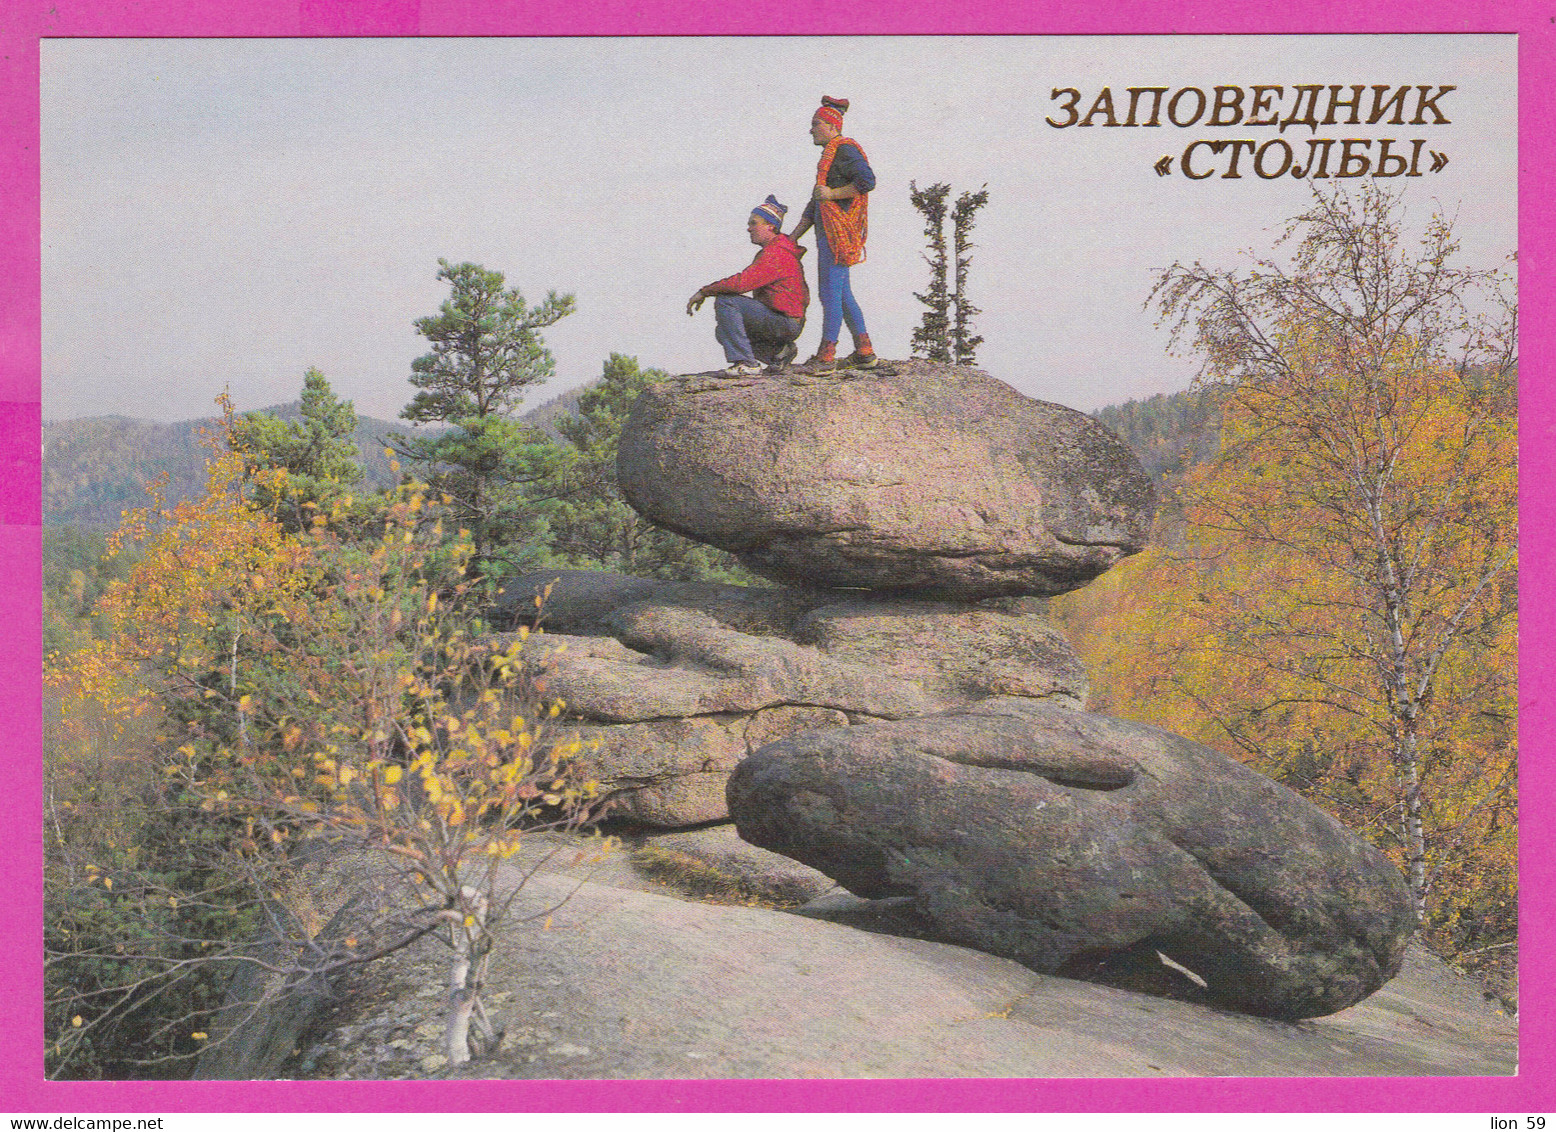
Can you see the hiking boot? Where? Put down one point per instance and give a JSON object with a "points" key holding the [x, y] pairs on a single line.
{"points": [[783, 358], [863, 356], [743, 369], [824, 360]]}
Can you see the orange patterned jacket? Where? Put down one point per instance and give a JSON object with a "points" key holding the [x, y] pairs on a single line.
{"points": [[845, 228]]}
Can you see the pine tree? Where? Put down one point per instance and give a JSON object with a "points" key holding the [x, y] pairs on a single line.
{"points": [[964, 343], [486, 350], [315, 452], [932, 338], [588, 522], [945, 332]]}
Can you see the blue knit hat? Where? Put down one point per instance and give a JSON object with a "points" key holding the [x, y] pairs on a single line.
{"points": [[771, 211]]}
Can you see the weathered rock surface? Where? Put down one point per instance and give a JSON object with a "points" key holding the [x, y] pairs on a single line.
{"points": [[626, 983], [581, 602], [1070, 841], [602, 679], [672, 683], [671, 772], [953, 652], [715, 861], [932, 480], [662, 729]]}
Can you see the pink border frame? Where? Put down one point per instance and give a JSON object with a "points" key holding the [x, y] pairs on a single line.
{"points": [[22, 1088]]}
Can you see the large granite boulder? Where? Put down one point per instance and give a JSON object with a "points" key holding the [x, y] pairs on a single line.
{"points": [[1069, 841], [933, 479], [670, 684]]}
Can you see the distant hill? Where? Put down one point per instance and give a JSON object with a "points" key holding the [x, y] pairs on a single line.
{"points": [[1170, 432], [545, 414], [94, 468]]}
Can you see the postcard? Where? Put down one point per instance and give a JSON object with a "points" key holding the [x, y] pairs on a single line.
{"points": [[1023, 515]]}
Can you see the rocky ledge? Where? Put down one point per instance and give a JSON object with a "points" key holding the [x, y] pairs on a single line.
{"points": [[631, 979]]}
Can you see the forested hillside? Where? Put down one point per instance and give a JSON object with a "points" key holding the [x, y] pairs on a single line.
{"points": [[1170, 432], [94, 468], [546, 414]]}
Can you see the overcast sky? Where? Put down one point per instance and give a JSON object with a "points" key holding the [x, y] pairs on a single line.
{"points": [[230, 212]]}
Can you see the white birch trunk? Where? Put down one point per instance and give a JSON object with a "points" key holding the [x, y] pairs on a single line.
{"points": [[463, 981]]}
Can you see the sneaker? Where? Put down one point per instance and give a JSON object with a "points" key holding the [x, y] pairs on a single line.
{"points": [[743, 369], [856, 360], [784, 357], [819, 363]]}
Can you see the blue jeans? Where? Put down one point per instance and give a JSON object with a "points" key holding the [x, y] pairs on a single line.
{"points": [[837, 297], [750, 330]]}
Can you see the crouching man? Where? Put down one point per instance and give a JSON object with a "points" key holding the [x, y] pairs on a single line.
{"points": [[761, 327]]}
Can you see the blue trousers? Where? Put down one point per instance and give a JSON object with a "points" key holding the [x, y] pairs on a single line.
{"points": [[750, 330], [837, 297]]}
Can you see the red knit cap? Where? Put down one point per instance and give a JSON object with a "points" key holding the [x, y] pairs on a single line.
{"points": [[832, 110]]}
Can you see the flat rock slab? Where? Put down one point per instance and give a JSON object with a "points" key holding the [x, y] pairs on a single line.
{"points": [[679, 663], [643, 648], [934, 479], [1080, 844], [627, 984], [582, 602]]}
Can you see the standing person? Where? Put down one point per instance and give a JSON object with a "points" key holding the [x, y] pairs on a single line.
{"points": [[764, 325], [839, 210]]}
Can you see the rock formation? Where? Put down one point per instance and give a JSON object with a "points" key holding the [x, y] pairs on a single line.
{"points": [[673, 683], [697, 966], [899, 716], [932, 480]]}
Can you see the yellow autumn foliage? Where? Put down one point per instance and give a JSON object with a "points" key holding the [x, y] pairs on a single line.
{"points": [[1307, 582]]}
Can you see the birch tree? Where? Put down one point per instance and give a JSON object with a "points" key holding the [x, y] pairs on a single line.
{"points": [[1369, 458]]}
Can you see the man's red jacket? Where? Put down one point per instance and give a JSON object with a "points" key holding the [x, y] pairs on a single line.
{"points": [[774, 278]]}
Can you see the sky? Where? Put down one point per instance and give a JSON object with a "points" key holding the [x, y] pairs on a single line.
{"points": [[226, 213]]}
